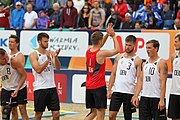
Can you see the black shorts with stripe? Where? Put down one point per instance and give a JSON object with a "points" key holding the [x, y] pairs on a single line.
{"points": [[119, 98], [148, 109], [21, 97], [96, 98], [46, 98], [174, 106]]}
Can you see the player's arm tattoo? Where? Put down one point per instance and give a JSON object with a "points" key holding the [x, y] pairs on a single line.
{"points": [[165, 69]]}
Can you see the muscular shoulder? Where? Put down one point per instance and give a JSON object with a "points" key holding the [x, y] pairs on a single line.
{"points": [[138, 61], [118, 57], [33, 55]]}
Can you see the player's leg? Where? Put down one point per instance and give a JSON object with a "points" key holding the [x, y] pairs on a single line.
{"points": [[53, 103], [90, 103], [115, 104], [14, 113], [157, 114], [128, 108], [22, 101], [91, 115], [174, 107], [100, 98], [5, 107], [144, 109], [40, 100]]}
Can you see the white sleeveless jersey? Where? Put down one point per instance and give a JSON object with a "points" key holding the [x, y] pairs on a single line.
{"points": [[125, 76], [176, 76], [10, 77], [45, 79], [151, 80]]}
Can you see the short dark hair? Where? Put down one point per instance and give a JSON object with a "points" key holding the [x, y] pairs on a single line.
{"points": [[148, 8], [41, 35], [15, 37], [2, 51], [155, 43], [130, 38], [178, 37], [96, 37]]}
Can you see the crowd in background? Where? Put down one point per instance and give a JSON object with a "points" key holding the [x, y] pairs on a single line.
{"points": [[90, 14]]}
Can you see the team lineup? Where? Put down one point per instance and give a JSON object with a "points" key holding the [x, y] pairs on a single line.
{"points": [[133, 83]]}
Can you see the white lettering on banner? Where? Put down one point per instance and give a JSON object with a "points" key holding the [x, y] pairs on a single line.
{"points": [[142, 38], [4, 38], [59, 88], [70, 43]]}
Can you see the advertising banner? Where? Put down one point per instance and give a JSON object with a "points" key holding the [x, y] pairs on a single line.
{"points": [[79, 88], [60, 81], [70, 43], [142, 38], [4, 38]]}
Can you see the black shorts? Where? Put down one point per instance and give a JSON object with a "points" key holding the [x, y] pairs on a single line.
{"points": [[21, 97], [119, 98], [46, 98], [148, 109], [96, 98], [174, 107]]}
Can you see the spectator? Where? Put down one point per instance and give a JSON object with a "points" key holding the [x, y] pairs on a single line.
{"points": [[128, 24], [167, 14], [55, 17], [168, 17], [178, 13], [32, 3], [78, 4], [176, 24], [121, 7], [17, 17], [152, 24], [30, 18], [21, 1], [108, 5], [138, 25], [138, 13], [97, 17], [115, 20], [68, 16], [174, 5], [4, 17], [154, 15], [83, 17], [42, 21], [156, 6], [40, 5], [62, 3]]}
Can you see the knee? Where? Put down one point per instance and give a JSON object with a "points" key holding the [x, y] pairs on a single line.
{"points": [[56, 115], [38, 115], [14, 111], [22, 109], [112, 116]]}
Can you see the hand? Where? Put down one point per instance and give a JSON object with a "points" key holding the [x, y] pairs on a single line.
{"points": [[60, 28], [109, 94], [161, 105], [14, 94], [97, 28], [110, 30], [71, 28], [135, 101], [48, 54], [57, 52]]}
